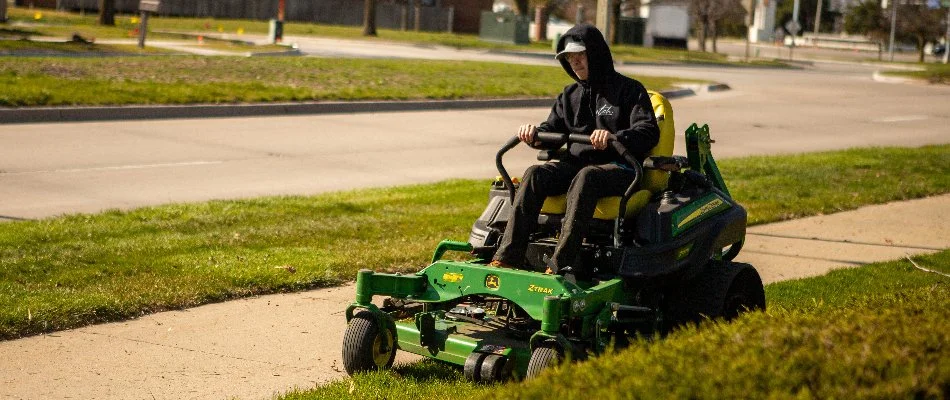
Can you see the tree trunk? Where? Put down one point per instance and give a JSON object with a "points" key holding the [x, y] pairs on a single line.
{"points": [[703, 26], [542, 22], [369, 18], [921, 42], [715, 34], [614, 21], [107, 12], [522, 7]]}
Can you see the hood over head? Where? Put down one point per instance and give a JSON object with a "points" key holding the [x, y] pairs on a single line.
{"points": [[600, 63]]}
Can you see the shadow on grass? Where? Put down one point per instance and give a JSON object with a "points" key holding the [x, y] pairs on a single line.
{"points": [[17, 32], [429, 370]]}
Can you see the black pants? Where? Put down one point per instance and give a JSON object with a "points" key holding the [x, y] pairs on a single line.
{"points": [[584, 185]]}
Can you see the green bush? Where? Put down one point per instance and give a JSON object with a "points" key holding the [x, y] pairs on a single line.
{"points": [[894, 346], [874, 332]]}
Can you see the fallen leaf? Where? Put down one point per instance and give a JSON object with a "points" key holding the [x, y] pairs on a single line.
{"points": [[288, 268]]}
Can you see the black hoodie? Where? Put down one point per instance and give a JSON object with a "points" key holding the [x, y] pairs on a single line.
{"points": [[607, 100]]}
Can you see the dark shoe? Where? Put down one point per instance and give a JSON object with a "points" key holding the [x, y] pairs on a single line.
{"points": [[569, 276], [568, 273]]}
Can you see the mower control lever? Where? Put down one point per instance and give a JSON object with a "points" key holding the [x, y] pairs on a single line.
{"points": [[552, 137]]}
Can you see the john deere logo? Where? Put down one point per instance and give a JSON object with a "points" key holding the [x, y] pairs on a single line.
{"points": [[492, 281]]}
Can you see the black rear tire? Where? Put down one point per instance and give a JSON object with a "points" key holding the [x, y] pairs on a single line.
{"points": [[720, 290], [366, 345], [745, 294], [543, 357]]}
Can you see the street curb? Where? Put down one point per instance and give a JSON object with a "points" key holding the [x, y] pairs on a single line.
{"points": [[879, 77], [78, 114], [678, 93], [81, 114]]}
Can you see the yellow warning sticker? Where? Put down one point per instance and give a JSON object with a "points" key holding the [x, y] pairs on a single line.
{"points": [[492, 282]]}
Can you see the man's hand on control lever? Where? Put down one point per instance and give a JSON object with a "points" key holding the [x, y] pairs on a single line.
{"points": [[600, 137], [527, 133]]}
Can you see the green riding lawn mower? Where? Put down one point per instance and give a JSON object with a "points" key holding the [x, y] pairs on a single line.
{"points": [[660, 256]]}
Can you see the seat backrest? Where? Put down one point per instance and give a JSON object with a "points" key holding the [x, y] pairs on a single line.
{"points": [[655, 180]]}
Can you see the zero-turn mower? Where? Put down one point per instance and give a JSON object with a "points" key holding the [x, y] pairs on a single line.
{"points": [[659, 256]]}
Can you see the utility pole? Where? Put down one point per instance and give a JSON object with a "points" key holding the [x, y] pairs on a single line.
{"points": [[604, 11], [796, 27], [795, 11], [818, 17], [750, 7], [946, 41], [890, 47]]}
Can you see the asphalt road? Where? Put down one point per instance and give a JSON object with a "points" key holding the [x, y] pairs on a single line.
{"points": [[50, 169]]}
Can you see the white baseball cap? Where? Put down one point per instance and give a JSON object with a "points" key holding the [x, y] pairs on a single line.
{"points": [[571, 46]]}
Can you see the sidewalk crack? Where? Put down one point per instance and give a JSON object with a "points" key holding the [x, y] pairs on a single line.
{"points": [[844, 241]]}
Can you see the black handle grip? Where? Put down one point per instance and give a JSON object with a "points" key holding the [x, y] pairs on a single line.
{"points": [[510, 144]]}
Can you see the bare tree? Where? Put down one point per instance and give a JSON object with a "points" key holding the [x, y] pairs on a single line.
{"points": [[548, 7], [107, 12], [369, 18], [869, 19], [920, 24], [708, 14]]}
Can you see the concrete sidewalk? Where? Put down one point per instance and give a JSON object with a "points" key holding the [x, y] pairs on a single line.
{"points": [[258, 347]]}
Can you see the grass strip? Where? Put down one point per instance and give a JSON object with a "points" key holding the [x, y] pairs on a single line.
{"points": [[877, 331], [194, 79], [76, 270], [794, 186], [933, 73], [637, 54], [41, 49]]}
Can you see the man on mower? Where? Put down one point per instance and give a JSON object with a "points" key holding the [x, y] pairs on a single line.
{"points": [[601, 103]]}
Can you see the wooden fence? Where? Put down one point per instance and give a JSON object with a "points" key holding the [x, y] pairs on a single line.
{"points": [[335, 12]]}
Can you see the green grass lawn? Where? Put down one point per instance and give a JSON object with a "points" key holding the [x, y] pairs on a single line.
{"points": [[63, 24], [635, 54], [75, 270], [195, 79], [878, 331], [58, 24], [795, 186], [934, 73]]}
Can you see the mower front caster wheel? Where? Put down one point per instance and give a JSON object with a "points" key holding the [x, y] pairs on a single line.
{"points": [[486, 368], [543, 357], [367, 346]]}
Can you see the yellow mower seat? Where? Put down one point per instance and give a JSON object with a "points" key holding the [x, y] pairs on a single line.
{"points": [[653, 180]]}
